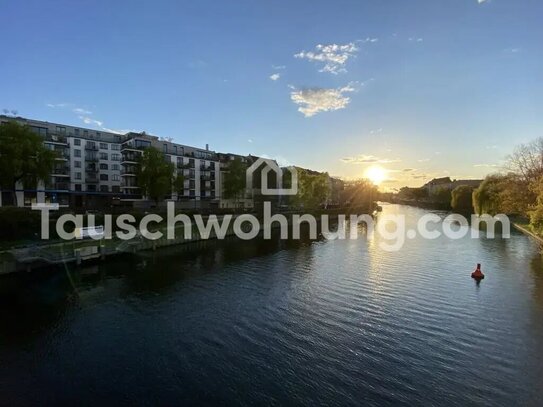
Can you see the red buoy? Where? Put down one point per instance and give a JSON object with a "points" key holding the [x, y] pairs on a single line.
{"points": [[478, 274]]}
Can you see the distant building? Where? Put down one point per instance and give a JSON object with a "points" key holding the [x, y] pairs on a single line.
{"points": [[436, 184]]}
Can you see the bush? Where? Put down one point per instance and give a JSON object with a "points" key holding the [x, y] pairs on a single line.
{"points": [[19, 223], [461, 201]]}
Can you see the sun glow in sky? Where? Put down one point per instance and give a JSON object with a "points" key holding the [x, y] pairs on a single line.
{"points": [[376, 174]]}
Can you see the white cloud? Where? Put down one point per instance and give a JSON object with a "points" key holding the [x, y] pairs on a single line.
{"points": [[368, 159], [278, 67], [79, 110], [486, 165], [333, 56], [122, 131], [275, 76], [75, 109], [84, 115], [316, 100], [89, 120], [250, 140], [482, 1], [423, 160]]}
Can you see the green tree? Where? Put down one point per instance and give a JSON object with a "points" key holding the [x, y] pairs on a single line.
{"points": [[536, 213], [504, 193], [179, 183], [486, 198], [155, 175], [360, 194], [462, 199], [235, 179], [313, 188], [23, 157]]}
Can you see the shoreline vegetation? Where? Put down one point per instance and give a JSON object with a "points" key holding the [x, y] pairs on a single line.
{"points": [[31, 256], [516, 191]]}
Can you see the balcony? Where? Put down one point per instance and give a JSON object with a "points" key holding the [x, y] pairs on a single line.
{"points": [[56, 139], [62, 154], [130, 158], [127, 147], [91, 147], [187, 166], [92, 159], [128, 172], [61, 172], [61, 186], [91, 179], [131, 185], [91, 170]]}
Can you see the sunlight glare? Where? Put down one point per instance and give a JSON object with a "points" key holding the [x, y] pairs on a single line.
{"points": [[376, 174]]}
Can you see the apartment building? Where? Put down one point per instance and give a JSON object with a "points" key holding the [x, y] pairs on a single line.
{"points": [[244, 200], [96, 169], [200, 169]]}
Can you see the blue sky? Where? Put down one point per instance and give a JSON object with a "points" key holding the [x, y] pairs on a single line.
{"points": [[422, 88]]}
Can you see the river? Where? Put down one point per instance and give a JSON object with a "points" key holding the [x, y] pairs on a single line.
{"points": [[340, 322]]}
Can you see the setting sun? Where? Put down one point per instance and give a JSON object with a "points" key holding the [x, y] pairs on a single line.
{"points": [[375, 174]]}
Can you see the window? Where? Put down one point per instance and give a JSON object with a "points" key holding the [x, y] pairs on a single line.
{"points": [[103, 156], [77, 153], [42, 131], [76, 132], [91, 188], [104, 146], [85, 133], [61, 130], [77, 175], [77, 164], [98, 135], [142, 144], [77, 142], [103, 177], [115, 167], [78, 187], [104, 188], [115, 177], [115, 147], [165, 148], [115, 157], [116, 189], [103, 166]]}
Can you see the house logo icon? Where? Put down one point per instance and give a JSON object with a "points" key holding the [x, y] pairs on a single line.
{"points": [[270, 165]]}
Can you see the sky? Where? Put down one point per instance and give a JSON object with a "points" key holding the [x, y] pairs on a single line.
{"points": [[421, 88]]}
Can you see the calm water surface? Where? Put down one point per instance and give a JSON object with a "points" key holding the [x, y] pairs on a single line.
{"points": [[281, 322]]}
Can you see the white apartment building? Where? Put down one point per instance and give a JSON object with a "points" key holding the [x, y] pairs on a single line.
{"points": [[96, 168]]}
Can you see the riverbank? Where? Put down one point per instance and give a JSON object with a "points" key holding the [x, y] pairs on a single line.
{"points": [[27, 258], [526, 229]]}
